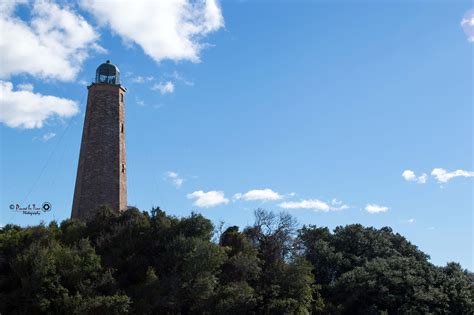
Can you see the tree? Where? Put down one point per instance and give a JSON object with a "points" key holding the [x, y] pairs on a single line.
{"points": [[46, 277], [281, 289], [458, 286], [141, 263], [367, 271], [240, 272], [396, 284]]}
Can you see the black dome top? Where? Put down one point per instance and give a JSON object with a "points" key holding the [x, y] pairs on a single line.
{"points": [[107, 73]]}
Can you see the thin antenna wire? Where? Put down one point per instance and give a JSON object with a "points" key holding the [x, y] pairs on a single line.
{"points": [[47, 162], [49, 158]]}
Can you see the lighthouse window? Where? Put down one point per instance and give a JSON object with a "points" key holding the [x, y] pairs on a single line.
{"points": [[121, 98], [123, 168], [121, 128]]}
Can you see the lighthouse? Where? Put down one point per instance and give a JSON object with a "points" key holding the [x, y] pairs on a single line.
{"points": [[102, 169]]}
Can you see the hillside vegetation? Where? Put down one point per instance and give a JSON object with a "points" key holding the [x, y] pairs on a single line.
{"points": [[143, 263]]}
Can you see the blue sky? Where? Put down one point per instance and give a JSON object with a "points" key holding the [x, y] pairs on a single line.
{"points": [[312, 107]]}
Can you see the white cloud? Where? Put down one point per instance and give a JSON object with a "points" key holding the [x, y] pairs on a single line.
{"points": [[313, 204], [444, 176], [373, 208], [467, 21], [423, 178], [141, 79], [7, 7], [164, 88], [411, 221], [259, 194], [25, 109], [175, 178], [410, 176], [163, 29], [178, 77], [53, 44], [208, 199], [237, 196], [178, 182], [47, 136], [25, 87], [467, 24], [338, 205]]}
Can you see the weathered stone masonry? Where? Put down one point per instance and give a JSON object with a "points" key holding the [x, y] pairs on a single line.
{"points": [[102, 172]]}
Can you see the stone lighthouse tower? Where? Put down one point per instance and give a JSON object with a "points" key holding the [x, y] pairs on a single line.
{"points": [[101, 172]]}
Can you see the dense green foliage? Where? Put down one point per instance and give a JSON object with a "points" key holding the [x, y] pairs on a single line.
{"points": [[154, 263]]}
